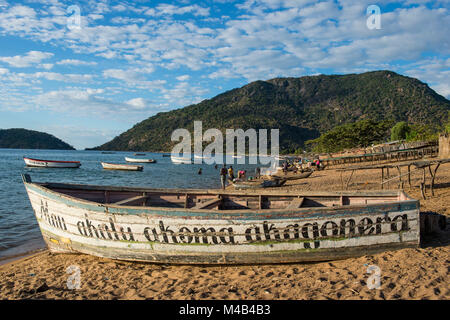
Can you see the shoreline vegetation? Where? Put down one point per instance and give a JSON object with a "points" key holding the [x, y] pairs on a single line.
{"points": [[417, 273]]}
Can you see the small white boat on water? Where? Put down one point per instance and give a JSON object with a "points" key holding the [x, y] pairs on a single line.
{"points": [[180, 160], [116, 166], [51, 163], [140, 160]]}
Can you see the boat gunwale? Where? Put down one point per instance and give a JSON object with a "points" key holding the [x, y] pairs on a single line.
{"points": [[119, 164], [223, 213], [54, 161]]}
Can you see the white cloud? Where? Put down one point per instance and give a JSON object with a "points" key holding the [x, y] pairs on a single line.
{"points": [[54, 76], [137, 103], [75, 62], [46, 66], [183, 77], [169, 9], [32, 57]]}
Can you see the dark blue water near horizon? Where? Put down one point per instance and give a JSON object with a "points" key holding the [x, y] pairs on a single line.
{"points": [[19, 231]]}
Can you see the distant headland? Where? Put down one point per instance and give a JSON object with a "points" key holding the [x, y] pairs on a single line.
{"points": [[30, 139]]}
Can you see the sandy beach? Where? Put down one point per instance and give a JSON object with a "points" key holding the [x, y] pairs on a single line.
{"points": [[419, 273]]}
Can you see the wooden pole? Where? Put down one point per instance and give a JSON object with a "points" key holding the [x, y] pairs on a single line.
{"points": [[348, 181], [388, 176], [409, 175], [433, 175], [399, 177], [422, 184]]}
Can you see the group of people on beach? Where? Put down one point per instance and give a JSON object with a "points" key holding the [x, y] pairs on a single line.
{"points": [[298, 164], [229, 172]]}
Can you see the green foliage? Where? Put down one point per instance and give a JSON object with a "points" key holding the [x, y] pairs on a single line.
{"points": [[447, 125], [400, 131], [301, 108], [359, 134], [418, 132], [29, 139]]}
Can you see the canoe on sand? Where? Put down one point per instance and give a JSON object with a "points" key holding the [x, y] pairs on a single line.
{"points": [[188, 226]]}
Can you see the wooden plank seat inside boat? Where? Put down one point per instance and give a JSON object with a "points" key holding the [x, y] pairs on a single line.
{"points": [[220, 200]]}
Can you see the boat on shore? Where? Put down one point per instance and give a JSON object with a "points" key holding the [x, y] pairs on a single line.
{"points": [[292, 176], [188, 226], [127, 159], [118, 166], [258, 184], [30, 162]]}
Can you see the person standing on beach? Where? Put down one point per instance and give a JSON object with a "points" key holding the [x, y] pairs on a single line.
{"points": [[231, 173], [223, 176], [258, 172]]}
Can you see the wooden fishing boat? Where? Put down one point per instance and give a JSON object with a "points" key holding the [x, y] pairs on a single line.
{"points": [[127, 159], [139, 154], [117, 166], [108, 152], [292, 176], [258, 183], [51, 163], [220, 226], [180, 160]]}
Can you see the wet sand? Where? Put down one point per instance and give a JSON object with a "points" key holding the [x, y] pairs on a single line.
{"points": [[420, 273]]}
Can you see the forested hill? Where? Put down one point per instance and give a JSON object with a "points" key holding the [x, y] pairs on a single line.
{"points": [[302, 108], [29, 139]]}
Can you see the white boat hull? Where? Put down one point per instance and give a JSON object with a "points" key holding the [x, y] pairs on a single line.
{"points": [[181, 160], [51, 164], [212, 236], [139, 160], [127, 167]]}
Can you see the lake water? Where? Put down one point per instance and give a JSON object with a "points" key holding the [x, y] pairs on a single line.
{"points": [[19, 231]]}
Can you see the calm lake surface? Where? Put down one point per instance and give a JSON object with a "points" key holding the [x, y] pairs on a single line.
{"points": [[19, 231]]}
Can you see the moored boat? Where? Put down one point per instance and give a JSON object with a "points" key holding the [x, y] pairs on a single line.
{"points": [[127, 159], [181, 160], [118, 166], [30, 162], [219, 226]]}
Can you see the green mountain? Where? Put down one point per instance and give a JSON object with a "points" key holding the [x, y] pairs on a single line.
{"points": [[302, 108], [29, 139]]}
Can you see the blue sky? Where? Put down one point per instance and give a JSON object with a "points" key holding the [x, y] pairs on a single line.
{"points": [[124, 61]]}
